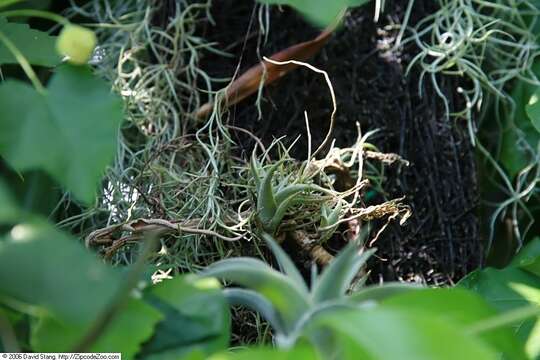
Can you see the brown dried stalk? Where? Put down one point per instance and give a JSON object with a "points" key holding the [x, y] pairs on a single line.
{"points": [[311, 247], [266, 72]]}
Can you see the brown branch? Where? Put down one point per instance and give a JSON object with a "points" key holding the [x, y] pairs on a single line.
{"points": [[315, 251], [249, 82], [138, 228]]}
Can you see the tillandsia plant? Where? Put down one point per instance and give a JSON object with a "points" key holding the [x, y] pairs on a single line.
{"points": [[273, 200], [489, 43], [285, 300], [329, 220]]}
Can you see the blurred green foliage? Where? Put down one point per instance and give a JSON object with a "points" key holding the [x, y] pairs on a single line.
{"points": [[56, 296]]}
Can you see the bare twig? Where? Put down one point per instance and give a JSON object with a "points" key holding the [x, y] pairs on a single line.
{"points": [[250, 81], [315, 251]]}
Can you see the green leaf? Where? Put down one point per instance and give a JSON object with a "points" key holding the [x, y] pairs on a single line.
{"points": [[36, 193], [533, 109], [26, 4], [289, 191], [4, 3], [70, 131], [285, 263], [289, 300], [381, 292], [301, 352], [258, 303], [45, 271], [383, 333], [37, 46], [279, 214], [509, 289], [196, 318], [529, 257], [320, 12], [462, 308], [266, 203], [9, 211], [337, 276], [129, 329]]}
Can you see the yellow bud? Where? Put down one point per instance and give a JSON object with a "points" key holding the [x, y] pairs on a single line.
{"points": [[207, 283], [77, 43]]}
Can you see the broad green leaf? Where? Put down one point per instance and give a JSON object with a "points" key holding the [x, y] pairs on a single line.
{"points": [[45, 271], [321, 12], [385, 333], [529, 257], [9, 211], [129, 329], [196, 318], [70, 131], [36, 192], [4, 3], [463, 308], [509, 289], [379, 293], [289, 300], [38, 47], [25, 4], [19, 323], [337, 276], [533, 109], [301, 352]]}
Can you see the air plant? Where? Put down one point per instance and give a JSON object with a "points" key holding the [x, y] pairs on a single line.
{"points": [[285, 300], [329, 220], [273, 201]]}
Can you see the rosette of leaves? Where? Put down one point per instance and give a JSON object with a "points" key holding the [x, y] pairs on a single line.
{"points": [[274, 200], [329, 220], [283, 297]]}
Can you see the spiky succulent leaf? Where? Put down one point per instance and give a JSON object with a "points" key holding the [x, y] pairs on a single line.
{"points": [[325, 211], [291, 190], [258, 303], [283, 183], [285, 263], [288, 299], [254, 168], [329, 219], [266, 203], [336, 278], [333, 217], [280, 213], [380, 292]]}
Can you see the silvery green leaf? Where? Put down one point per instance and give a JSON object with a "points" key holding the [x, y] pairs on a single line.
{"points": [[280, 213], [336, 278], [285, 263], [258, 303], [288, 299], [254, 168], [290, 190], [266, 203]]}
